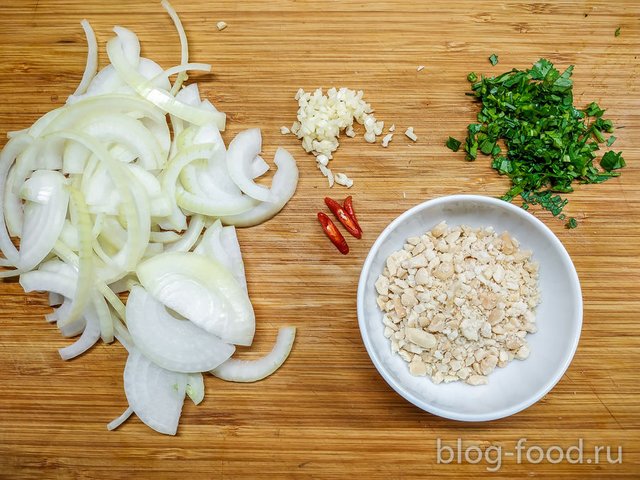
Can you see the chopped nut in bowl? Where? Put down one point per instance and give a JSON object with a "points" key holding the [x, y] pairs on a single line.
{"points": [[469, 307]]}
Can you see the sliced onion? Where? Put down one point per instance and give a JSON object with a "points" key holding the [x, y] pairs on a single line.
{"points": [[159, 97], [177, 220], [92, 58], [74, 158], [235, 370], [160, 204], [122, 334], [105, 320], [221, 244], [13, 210], [128, 132], [47, 281], [154, 394], [11, 150], [184, 45], [121, 285], [45, 211], [231, 246], [177, 345], [189, 237], [87, 110], [195, 387], [89, 337], [115, 423], [134, 202], [182, 69], [153, 249], [209, 132], [88, 190], [258, 167], [71, 259], [64, 285], [164, 237], [130, 45], [243, 149], [191, 96], [284, 184], [208, 189], [84, 284], [203, 291], [101, 193], [55, 299], [214, 206], [107, 81], [74, 328]]}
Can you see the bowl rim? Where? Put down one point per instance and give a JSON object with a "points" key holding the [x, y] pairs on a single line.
{"points": [[415, 399]]}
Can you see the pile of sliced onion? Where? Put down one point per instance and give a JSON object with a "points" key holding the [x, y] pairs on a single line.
{"points": [[106, 197]]}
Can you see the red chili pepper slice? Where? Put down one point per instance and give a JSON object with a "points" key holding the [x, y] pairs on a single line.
{"points": [[333, 233], [348, 207], [345, 219]]}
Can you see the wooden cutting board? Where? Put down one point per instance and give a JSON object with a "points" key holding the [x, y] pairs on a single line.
{"points": [[327, 413]]}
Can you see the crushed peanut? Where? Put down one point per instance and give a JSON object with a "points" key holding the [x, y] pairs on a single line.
{"points": [[458, 302]]}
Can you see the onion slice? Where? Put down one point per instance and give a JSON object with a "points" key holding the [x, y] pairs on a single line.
{"points": [[88, 339], [283, 186], [84, 285], [45, 211], [203, 291], [92, 58], [184, 45], [177, 345], [235, 370], [159, 97], [11, 150], [221, 244], [195, 387], [115, 423], [154, 394], [258, 167], [189, 238], [242, 151]]}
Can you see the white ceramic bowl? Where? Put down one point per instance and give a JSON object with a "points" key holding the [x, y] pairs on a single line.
{"points": [[559, 316]]}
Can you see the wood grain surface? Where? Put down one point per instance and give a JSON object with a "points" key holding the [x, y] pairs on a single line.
{"points": [[327, 413]]}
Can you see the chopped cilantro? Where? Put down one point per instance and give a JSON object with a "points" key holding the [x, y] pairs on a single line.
{"points": [[472, 77], [593, 110], [617, 33], [612, 161], [550, 144], [610, 140], [453, 144], [493, 58], [572, 223]]}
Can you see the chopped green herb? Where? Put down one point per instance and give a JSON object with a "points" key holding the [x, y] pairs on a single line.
{"points": [[610, 140], [593, 110], [550, 144], [493, 58], [472, 77], [453, 144], [612, 161], [617, 34], [572, 223]]}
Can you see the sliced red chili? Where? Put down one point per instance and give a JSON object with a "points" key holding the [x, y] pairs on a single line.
{"points": [[343, 216], [348, 207], [333, 233]]}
